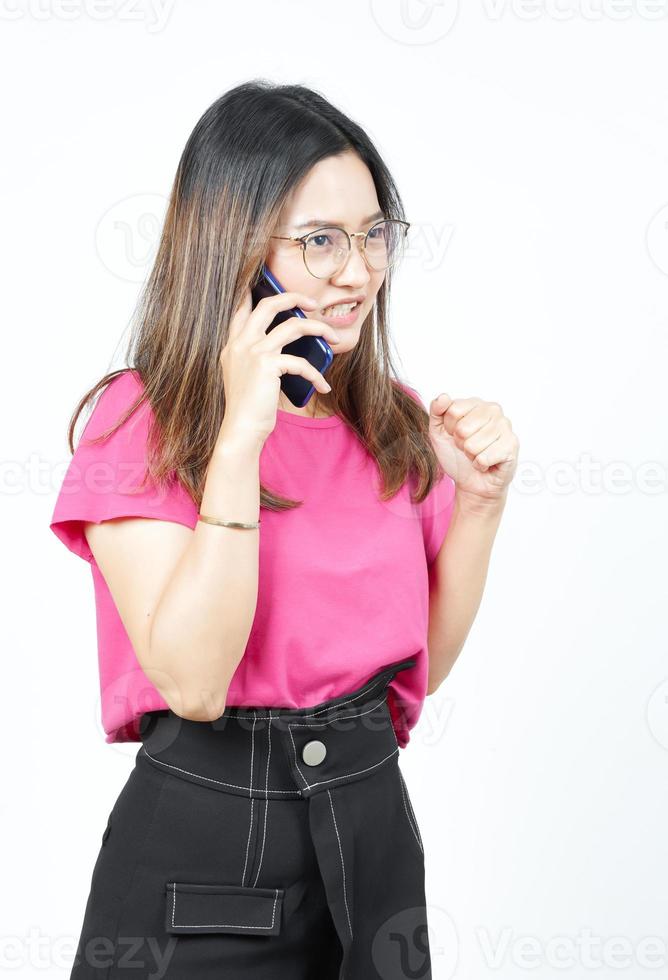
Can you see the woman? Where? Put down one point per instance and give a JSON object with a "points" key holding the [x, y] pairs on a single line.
{"points": [[273, 673]]}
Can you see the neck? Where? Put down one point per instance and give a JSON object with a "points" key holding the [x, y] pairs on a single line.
{"points": [[313, 409]]}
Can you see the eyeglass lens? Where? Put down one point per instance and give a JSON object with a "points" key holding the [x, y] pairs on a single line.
{"points": [[326, 250]]}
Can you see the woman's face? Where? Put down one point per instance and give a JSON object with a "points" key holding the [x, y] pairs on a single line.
{"points": [[338, 190]]}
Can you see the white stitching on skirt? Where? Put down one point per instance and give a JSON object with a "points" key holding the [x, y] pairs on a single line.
{"points": [[250, 793], [266, 798], [321, 782], [295, 751], [343, 867], [219, 925], [209, 779], [323, 724], [413, 822], [297, 724]]}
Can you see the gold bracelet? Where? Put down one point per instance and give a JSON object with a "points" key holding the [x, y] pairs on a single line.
{"points": [[214, 520]]}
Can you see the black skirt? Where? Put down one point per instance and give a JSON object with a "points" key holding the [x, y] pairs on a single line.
{"points": [[272, 842]]}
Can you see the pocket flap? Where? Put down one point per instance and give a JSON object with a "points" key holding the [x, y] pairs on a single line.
{"points": [[194, 908]]}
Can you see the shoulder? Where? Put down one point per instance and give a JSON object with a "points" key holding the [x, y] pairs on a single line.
{"points": [[108, 478], [413, 392], [113, 401]]}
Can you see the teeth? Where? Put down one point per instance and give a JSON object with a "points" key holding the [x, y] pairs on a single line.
{"points": [[340, 310]]}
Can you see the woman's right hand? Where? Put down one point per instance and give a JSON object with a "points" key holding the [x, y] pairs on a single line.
{"points": [[253, 364]]}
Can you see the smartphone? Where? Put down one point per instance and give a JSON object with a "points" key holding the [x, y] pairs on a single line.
{"points": [[316, 350]]}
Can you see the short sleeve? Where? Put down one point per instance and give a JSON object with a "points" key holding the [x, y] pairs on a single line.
{"points": [[104, 480], [437, 507]]}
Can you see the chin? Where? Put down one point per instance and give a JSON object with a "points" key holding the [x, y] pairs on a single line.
{"points": [[341, 349]]}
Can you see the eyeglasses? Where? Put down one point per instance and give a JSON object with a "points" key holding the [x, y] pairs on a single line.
{"points": [[326, 250]]}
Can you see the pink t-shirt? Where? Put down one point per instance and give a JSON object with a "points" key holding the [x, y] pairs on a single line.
{"points": [[343, 586]]}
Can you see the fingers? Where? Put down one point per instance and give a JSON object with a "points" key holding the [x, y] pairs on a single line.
{"points": [[254, 322], [291, 364], [297, 327], [265, 311]]}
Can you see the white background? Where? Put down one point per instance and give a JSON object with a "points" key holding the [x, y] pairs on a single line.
{"points": [[530, 145]]}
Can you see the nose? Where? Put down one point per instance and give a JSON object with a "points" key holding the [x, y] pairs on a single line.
{"points": [[355, 271]]}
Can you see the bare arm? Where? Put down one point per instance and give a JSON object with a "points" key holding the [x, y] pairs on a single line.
{"points": [[187, 598], [457, 580]]}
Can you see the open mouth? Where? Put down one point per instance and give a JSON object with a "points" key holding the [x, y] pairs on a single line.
{"points": [[341, 309]]}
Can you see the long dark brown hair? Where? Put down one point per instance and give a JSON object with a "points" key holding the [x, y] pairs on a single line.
{"points": [[246, 154]]}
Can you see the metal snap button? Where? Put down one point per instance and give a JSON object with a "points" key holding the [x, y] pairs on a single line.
{"points": [[314, 752]]}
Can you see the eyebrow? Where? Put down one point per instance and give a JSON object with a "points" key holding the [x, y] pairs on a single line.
{"points": [[327, 222]]}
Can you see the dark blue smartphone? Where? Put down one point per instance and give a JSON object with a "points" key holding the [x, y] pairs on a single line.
{"points": [[316, 350]]}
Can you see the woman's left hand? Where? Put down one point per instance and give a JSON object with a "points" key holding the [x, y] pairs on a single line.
{"points": [[475, 445]]}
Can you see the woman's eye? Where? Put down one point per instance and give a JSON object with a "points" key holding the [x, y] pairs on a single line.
{"points": [[320, 240]]}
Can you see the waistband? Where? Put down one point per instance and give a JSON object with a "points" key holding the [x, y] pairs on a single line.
{"points": [[278, 752]]}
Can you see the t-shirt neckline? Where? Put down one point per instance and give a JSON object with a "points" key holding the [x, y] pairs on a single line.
{"points": [[313, 423]]}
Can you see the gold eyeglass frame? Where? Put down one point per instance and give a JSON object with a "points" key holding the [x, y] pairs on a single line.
{"points": [[349, 235]]}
